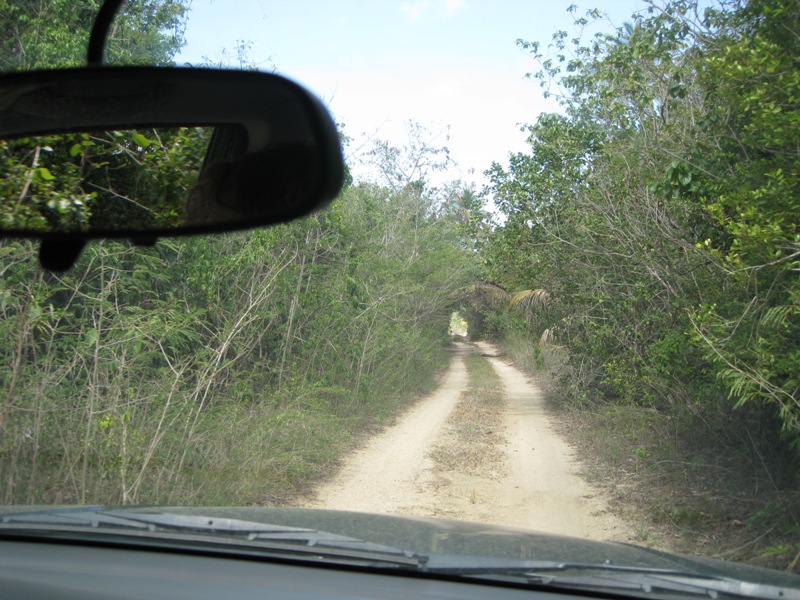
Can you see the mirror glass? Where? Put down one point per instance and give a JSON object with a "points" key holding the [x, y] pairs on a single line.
{"points": [[129, 151], [147, 179]]}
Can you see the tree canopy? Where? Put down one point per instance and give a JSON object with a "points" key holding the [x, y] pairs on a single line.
{"points": [[660, 208]]}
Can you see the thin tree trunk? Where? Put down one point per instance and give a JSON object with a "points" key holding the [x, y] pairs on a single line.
{"points": [[287, 343], [93, 385]]}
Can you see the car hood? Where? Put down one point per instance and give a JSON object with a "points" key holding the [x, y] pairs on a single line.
{"points": [[431, 536]]}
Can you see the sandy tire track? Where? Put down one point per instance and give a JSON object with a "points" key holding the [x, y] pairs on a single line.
{"points": [[543, 490], [535, 486], [383, 476]]}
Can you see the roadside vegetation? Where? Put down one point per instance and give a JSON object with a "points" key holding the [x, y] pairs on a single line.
{"points": [[227, 370], [649, 260]]}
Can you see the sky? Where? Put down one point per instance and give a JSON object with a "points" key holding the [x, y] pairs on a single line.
{"points": [[451, 65]]}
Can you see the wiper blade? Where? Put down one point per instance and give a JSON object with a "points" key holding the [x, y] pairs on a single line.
{"points": [[196, 522], [619, 578], [81, 518], [260, 532], [697, 585], [249, 534]]}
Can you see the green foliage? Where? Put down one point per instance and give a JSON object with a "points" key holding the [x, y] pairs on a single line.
{"points": [[127, 378], [753, 336], [107, 179], [660, 211], [102, 181], [43, 34]]}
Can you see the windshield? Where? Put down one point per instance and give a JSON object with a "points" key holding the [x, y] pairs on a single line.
{"points": [[559, 292]]}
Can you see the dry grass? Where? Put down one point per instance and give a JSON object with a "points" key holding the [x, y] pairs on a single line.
{"points": [[708, 482], [684, 497], [472, 438]]}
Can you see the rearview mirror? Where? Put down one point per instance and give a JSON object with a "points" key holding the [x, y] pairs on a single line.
{"points": [[144, 152]]}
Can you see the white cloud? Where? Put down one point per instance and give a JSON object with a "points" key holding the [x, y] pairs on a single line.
{"points": [[414, 10], [481, 107], [451, 7]]}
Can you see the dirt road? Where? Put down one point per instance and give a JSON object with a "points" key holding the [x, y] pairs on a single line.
{"points": [[534, 484]]}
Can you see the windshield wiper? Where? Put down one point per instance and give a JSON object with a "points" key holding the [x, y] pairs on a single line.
{"points": [[250, 534], [618, 578], [155, 526], [86, 518]]}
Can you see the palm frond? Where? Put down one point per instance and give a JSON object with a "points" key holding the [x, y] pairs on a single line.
{"points": [[491, 292], [529, 299], [777, 315]]}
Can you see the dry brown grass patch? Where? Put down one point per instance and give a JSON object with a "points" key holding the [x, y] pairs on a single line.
{"points": [[473, 438]]}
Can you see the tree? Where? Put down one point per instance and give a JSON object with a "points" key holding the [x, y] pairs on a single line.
{"points": [[753, 335], [660, 210], [43, 34]]}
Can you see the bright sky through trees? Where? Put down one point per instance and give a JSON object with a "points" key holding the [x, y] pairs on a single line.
{"points": [[379, 63]]}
